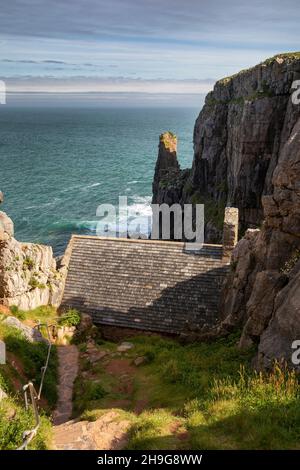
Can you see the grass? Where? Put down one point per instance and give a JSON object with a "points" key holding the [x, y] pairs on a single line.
{"points": [[31, 357], [69, 318], [24, 363], [40, 314], [199, 396], [14, 420]]}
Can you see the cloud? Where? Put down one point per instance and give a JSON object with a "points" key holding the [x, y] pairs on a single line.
{"points": [[153, 40], [39, 62], [271, 22], [86, 84]]}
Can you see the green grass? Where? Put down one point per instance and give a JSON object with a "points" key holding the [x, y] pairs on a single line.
{"points": [[24, 363], [40, 314], [69, 318], [199, 396], [31, 356], [14, 420]]}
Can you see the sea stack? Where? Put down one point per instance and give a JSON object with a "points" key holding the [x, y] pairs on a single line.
{"points": [[166, 161]]}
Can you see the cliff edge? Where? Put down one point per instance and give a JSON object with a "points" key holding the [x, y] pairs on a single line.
{"points": [[238, 138]]}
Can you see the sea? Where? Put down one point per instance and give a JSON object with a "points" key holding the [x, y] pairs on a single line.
{"points": [[57, 166]]}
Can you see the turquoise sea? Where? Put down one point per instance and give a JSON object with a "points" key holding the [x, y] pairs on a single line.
{"points": [[58, 165]]}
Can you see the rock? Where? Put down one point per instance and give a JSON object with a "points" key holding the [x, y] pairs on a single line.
{"points": [[284, 328], [31, 334], [1, 197], [262, 291], [6, 227], [91, 345], [3, 394], [140, 360], [28, 275], [109, 432], [65, 334], [86, 322], [259, 311], [96, 356], [124, 347], [166, 161]]}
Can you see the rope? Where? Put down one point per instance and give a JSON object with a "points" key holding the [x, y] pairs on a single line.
{"points": [[30, 392]]}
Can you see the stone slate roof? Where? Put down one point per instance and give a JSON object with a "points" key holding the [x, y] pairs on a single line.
{"points": [[144, 284]]}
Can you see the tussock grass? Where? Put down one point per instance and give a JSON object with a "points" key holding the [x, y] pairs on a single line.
{"points": [[204, 396]]}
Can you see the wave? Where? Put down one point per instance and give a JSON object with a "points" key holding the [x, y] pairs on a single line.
{"points": [[80, 187], [70, 226], [138, 219], [40, 206]]}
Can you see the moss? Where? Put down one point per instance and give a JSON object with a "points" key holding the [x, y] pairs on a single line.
{"points": [[291, 263], [289, 56], [28, 263], [35, 284]]}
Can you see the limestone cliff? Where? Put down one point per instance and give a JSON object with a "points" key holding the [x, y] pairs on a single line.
{"points": [[169, 179], [28, 274], [238, 137], [262, 292], [247, 154]]}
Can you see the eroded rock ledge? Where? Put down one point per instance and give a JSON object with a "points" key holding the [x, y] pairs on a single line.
{"points": [[28, 274]]}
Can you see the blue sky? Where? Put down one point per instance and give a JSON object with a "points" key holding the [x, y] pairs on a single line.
{"points": [[135, 50]]}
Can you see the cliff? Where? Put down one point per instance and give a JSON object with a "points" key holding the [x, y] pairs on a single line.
{"points": [[238, 137], [262, 292], [247, 155], [28, 274]]}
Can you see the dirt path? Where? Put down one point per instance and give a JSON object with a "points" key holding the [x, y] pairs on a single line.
{"points": [[67, 370]]}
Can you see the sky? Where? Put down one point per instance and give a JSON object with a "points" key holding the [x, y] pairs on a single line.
{"points": [[135, 52]]}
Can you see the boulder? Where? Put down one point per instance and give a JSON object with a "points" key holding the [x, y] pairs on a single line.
{"points": [[140, 361], [31, 334], [124, 347]]}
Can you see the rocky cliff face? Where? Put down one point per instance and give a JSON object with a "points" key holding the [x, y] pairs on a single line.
{"points": [[262, 292], [28, 274], [238, 137], [247, 154], [169, 179]]}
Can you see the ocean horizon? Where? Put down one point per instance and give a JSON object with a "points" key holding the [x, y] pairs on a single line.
{"points": [[59, 164]]}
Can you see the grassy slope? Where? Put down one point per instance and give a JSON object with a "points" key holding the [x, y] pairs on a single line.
{"points": [[24, 362], [200, 396]]}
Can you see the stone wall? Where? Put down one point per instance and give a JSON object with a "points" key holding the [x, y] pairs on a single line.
{"points": [[230, 231]]}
